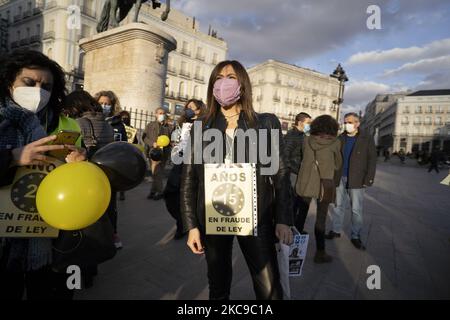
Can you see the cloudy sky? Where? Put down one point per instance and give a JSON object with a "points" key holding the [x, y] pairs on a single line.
{"points": [[410, 51]]}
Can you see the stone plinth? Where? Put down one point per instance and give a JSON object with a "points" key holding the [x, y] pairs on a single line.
{"points": [[130, 60]]}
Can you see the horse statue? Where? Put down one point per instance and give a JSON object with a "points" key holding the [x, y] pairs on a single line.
{"points": [[115, 11]]}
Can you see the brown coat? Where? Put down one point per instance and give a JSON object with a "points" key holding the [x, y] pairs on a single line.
{"points": [[327, 153]]}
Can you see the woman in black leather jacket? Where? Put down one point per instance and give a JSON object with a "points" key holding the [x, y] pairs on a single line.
{"points": [[230, 84]]}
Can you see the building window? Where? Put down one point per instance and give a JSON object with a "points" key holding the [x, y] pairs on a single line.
{"points": [[429, 109], [418, 109], [427, 120], [406, 109], [418, 120], [438, 120], [215, 58], [181, 90], [38, 30], [405, 120]]}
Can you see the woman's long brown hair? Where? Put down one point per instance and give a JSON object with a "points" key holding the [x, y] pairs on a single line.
{"points": [[246, 100]]}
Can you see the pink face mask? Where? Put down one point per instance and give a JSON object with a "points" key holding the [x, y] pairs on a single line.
{"points": [[227, 91]]}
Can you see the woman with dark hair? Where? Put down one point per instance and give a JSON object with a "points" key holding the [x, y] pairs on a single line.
{"points": [[32, 93], [317, 177], [96, 133], [193, 110], [230, 108]]}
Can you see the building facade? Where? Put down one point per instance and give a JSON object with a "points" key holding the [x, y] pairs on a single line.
{"points": [[190, 65], [55, 28], [287, 90], [418, 121], [52, 27]]}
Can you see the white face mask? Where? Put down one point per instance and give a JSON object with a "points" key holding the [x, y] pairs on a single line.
{"points": [[350, 127], [161, 118], [33, 99]]}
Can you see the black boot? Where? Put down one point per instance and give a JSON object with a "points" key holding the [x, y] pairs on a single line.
{"points": [[321, 256]]}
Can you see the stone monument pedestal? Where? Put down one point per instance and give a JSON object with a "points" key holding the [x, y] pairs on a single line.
{"points": [[130, 60]]}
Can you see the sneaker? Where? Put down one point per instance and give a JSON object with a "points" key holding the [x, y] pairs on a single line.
{"points": [[117, 242], [151, 195], [322, 257], [358, 244], [332, 235]]}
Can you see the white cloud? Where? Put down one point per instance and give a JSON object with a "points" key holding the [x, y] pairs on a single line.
{"points": [[359, 93], [292, 30], [431, 50], [424, 66]]}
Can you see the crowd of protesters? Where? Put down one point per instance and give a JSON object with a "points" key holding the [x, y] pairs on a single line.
{"points": [[317, 162]]}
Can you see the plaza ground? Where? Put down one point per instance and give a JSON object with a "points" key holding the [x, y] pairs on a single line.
{"points": [[406, 232]]}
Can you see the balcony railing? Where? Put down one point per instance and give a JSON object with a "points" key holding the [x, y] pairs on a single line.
{"points": [[34, 39], [276, 99], [405, 122], [185, 52], [185, 74], [172, 70], [17, 17], [259, 98], [170, 95], [49, 35], [199, 78], [200, 57], [27, 14], [288, 101], [183, 97], [24, 42], [14, 44], [417, 122], [37, 10]]}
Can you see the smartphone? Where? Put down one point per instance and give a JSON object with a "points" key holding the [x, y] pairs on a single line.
{"points": [[63, 137]]}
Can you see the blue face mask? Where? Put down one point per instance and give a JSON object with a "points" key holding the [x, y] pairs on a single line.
{"points": [[306, 128], [189, 114], [107, 109]]}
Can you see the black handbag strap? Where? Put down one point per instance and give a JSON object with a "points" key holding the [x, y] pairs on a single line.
{"points": [[93, 136]]}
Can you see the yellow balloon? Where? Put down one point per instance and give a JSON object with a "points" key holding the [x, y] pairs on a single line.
{"points": [[73, 196], [163, 141]]}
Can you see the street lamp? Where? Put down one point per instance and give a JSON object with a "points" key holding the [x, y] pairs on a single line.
{"points": [[339, 74]]}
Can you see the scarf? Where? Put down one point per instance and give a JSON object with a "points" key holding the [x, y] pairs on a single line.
{"points": [[19, 127]]}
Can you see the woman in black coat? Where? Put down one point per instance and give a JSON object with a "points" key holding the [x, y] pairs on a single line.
{"points": [[230, 108]]}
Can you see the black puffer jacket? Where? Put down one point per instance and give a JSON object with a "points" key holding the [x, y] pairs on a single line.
{"points": [[294, 142], [274, 199]]}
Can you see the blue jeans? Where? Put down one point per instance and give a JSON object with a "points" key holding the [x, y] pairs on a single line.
{"points": [[356, 197]]}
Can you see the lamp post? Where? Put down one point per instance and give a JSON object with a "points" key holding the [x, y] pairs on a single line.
{"points": [[340, 75]]}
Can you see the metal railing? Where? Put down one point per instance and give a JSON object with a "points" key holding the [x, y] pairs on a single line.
{"points": [[140, 118], [49, 35]]}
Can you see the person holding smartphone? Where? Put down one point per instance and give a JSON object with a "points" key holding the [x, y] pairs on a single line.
{"points": [[32, 90]]}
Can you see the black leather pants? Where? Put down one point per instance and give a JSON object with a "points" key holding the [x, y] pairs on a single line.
{"points": [[261, 258]]}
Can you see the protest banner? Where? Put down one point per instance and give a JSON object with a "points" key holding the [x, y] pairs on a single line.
{"points": [[18, 213], [231, 199]]}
